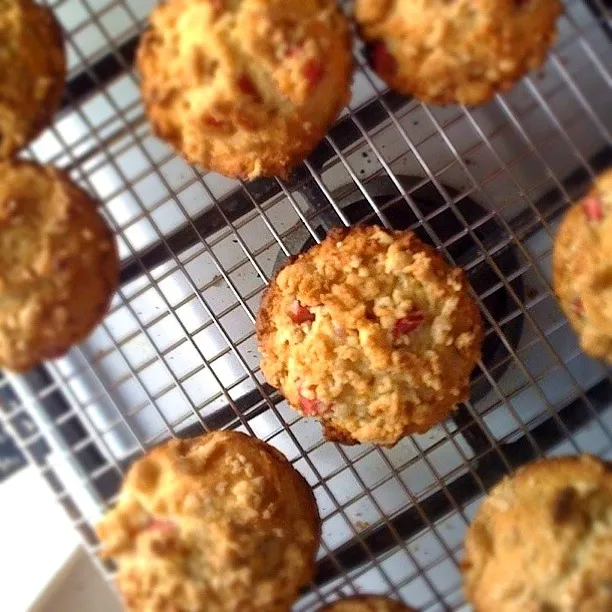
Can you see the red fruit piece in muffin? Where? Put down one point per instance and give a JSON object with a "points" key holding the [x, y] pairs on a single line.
{"points": [[382, 60], [411, 322], [313, 407], [593, 207], [300, 314]]}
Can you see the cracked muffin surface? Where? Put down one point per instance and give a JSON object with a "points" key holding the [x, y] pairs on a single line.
{"points": [[32, 72], [582, 268], [542, 540], [58, 264], [222, 523], [460, 51], [246, 88], [366, 603], [370, 332]]}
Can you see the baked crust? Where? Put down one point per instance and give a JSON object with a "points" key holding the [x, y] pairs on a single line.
{"points": [[246, 88], [542, 540], [461, 51], [582, 268], [367, 603], [384, 340], [58, 264], [221, 523], [32, 72]]}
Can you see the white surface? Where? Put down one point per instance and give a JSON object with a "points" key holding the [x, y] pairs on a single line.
{"points": [[36, 539], [80, 588]]}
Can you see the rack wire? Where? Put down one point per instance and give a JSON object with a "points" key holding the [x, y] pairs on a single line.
{"points": [[177, 356]]}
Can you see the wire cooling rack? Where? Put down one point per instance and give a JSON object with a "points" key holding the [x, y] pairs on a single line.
{"points": [[177, 356]]}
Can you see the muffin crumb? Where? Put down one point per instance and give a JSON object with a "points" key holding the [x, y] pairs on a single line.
{"points": [[220, 522], [366, 333], [582, 268], [460, 51], [245, 88], [32, 72], [551, 523], [57, 271], [366, 603]]}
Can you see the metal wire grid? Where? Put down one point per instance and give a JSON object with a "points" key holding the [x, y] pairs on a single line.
{"points": [[393, 519]]}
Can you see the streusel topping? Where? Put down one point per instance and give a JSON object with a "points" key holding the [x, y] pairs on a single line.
{"points": [[218, 523], [245, 87], [463, 51], [583, 268], [542, 539], [372, 333]]}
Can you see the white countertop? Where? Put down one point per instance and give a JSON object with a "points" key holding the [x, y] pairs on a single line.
{"points": [[42, 566]]}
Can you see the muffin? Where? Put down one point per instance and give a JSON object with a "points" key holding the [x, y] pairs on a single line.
{"points": [[461, 51], [32, 72], [582, 268], [58, 264], [368, 603], [221, 523], [542, 540], [245, 88], [370, 332]]}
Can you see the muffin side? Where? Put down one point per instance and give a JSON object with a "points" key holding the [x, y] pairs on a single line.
{"points": [[460, 51], [366, 603], [582, 268], [222, 520], [32, 71], [370, 332], [245, 88], [542, 540], [58, 264]]}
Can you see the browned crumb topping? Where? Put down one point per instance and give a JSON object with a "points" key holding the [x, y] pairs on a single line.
{"points": [[221, 523], [372, 333], [58, 264], [245, 87], [32, 71], [542, 540], [583, 268], [456, 51]]}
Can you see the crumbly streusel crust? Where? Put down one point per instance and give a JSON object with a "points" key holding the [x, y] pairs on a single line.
{"points": [[372, 333], [460, 51], [32, 72], [542, 540], [582, 265], [58, 264], [221, 523], [245, 87], [367, 603]]}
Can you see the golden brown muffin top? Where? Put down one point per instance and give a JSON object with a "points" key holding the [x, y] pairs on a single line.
{"points": [[32, 71], [372, 333], [583, 268], [366, 603], [542, 540], [221, 523], [245, 87], [460, 51], [58, 264]]}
